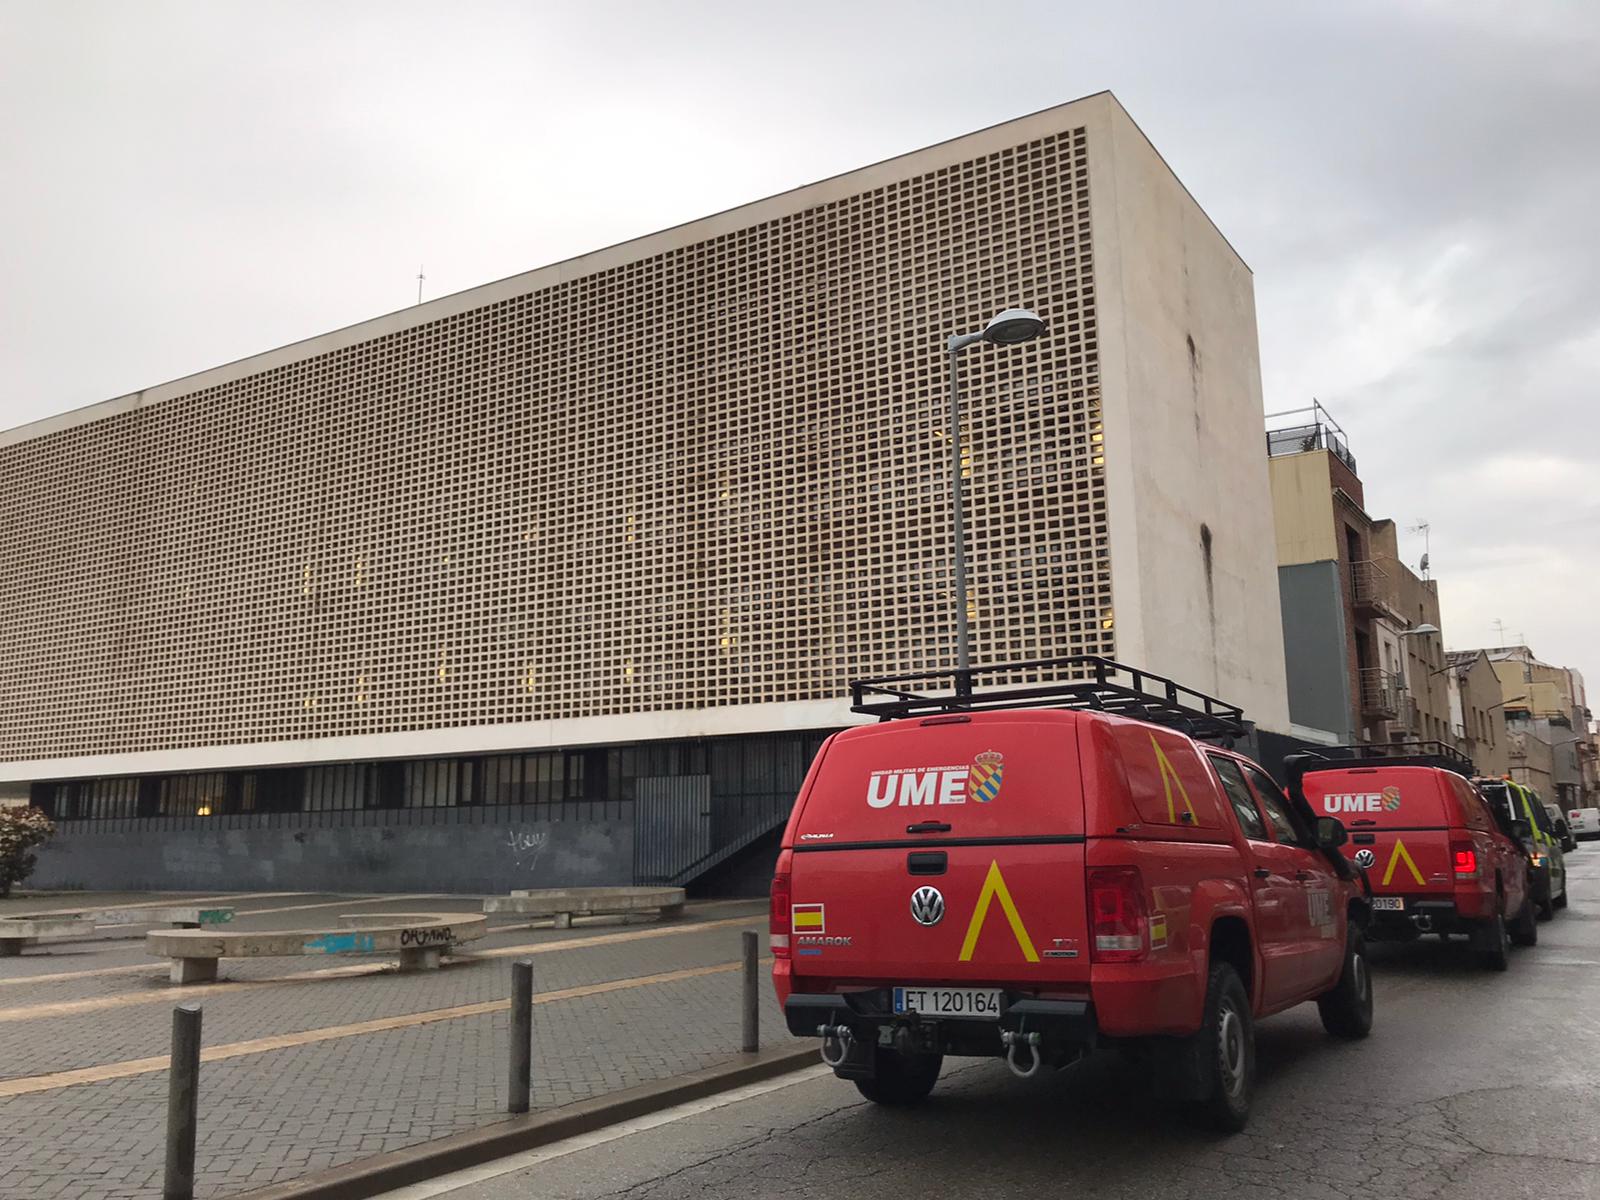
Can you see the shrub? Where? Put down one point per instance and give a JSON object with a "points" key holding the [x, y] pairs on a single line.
{"points": [[21, 829]]}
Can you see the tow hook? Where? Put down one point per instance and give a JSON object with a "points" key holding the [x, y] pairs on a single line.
{"points": [[1423, 922], [838, 1035], [1011, 1041]]}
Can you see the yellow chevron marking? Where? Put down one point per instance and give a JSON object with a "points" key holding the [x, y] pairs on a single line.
{"points": [[994, 886]]}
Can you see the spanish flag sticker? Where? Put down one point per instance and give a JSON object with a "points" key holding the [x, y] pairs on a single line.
{"points": [[807, 918]]}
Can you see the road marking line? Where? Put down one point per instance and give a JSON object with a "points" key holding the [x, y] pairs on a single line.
{"points": [[28, 1084], [99, 1003], [457, 1180], [57, 976]]}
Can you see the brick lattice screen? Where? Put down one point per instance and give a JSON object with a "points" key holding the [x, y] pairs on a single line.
{"points": [[713, 476]]}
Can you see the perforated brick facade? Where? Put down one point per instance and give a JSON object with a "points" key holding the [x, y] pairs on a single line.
{"points": [[714, 474]]}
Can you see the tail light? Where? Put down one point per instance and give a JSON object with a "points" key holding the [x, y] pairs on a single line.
{"points": [[1466, 860], [781, 904], [1118, 923]]}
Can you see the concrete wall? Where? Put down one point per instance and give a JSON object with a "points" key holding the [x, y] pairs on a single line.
{"points": [[1194, 575], [1314, 641], [449, 851]]}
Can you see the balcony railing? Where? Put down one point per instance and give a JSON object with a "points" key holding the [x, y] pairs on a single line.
{"points": [[1382, 693], [1315, 430]]}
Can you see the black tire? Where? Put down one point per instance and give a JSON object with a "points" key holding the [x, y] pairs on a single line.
{"points": [[1226, 1054], [1346, 1008], [1496, 940], [902, 1079], [1561, 900], [1525, 929], [1546, 909]]}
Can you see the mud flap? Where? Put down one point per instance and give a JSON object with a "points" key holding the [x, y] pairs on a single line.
{"points": [[1176, 1066]]}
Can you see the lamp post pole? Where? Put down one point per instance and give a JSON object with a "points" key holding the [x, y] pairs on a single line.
{"points": [[1008, 328], [957, 498]]}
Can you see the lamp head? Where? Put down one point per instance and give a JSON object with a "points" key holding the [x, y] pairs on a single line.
{"points": [[1012, 326]]}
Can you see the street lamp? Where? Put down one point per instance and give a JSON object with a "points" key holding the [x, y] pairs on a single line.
{"points": [[1008, 328], [1423, 630]]}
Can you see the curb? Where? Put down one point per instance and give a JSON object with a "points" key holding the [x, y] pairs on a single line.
{"points": [[384, 1172]]}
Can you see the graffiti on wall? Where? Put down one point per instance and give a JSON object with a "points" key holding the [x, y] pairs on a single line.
{"points": [[526, 846]]}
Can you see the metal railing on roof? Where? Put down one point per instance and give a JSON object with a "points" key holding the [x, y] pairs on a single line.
{"points": [[1313, 430]]}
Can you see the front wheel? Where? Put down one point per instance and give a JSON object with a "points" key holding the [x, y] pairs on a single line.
{"points": [[1346, 1008], [901, 1080], [1226, 1054]]}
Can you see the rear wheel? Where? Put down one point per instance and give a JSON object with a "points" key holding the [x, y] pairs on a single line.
{"points": [[1495, 954], [1525, 929], [1226, 1054], [1561, 900], [1346, 1008], [901, 1079]]}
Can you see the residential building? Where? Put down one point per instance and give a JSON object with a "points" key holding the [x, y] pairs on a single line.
{"points": [[1354, 665], [1477, 714], [1547, 721], [563, 578]]}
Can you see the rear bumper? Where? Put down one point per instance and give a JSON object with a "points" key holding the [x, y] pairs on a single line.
{"points": [[1423, 914], [1067, 1027]]}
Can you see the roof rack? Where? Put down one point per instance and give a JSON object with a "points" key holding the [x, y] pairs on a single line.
{"points": [[1100, 684], [1410, 753]]}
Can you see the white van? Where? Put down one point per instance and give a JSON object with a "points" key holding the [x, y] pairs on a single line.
{"points": [[1584, 822]]}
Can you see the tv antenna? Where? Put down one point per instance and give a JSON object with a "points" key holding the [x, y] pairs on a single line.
{"points": [[1422, 527], [420, 278]]}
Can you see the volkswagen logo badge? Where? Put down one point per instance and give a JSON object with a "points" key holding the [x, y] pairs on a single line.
{"points": [[927, 906], [1365, 858]]}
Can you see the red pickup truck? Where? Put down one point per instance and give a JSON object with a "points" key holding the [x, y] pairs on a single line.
{"points": [[1034, 871], [1436, 856]]}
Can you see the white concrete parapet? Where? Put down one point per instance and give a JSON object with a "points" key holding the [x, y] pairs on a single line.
{"points": [[565, 903], [421, 939]]}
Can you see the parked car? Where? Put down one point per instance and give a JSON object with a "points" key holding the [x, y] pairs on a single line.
{"points": [[1435, 857], [1009, 873], [1547, 874], [1585, 823], [1563, 831]]}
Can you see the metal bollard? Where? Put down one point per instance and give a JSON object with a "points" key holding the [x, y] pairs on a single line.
{"points": [[752, 993], [183, 1097], [521, 1034]]}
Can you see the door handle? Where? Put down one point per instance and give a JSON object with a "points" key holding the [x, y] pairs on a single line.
{"points": [[929, 827], [1263, 873]]}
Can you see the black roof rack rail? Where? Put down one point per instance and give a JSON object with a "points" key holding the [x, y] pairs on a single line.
{"points": [[1411, 753], [1098, 683]]}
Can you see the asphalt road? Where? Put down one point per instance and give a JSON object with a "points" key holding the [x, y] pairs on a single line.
{"points": [[1472, 1084]]}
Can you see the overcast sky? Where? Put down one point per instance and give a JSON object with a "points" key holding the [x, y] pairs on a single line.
{"points": [[1416, 187]]}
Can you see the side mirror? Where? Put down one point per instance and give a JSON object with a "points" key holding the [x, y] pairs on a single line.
{"points": [[1330, 833], [1521, 829]]}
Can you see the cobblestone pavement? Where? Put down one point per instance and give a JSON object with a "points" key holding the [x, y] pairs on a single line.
{"points": [[322, 1093], [1473, 1084]]}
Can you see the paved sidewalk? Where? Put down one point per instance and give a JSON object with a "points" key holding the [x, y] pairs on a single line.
{"points": [[305, 1071]]}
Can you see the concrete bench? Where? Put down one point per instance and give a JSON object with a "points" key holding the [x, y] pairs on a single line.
{"points": [[179, 916], [565, 903], [17, 932], [421, 939]]}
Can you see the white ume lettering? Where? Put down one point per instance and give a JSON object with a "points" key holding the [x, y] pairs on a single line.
{"points": [[1358, 802], [917, 787]]}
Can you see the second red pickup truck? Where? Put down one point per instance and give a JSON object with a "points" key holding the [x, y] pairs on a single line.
{"points": [[1033, 872]]}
